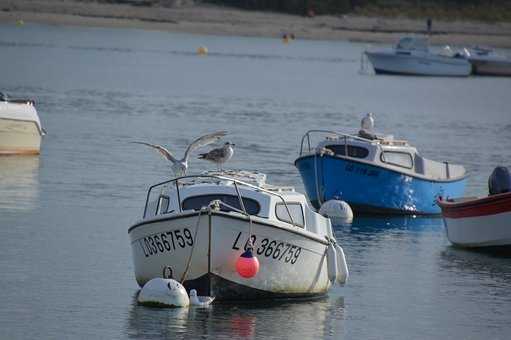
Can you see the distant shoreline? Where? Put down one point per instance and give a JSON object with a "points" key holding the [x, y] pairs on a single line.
{"points": [[217, 20]]}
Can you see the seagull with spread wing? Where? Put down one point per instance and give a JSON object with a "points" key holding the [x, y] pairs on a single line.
{"points": [[179, 166]]}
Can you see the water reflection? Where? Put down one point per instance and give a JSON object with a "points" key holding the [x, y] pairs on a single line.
{"points": [[478, 261], [304, 319], [365, 224], [19, 182]]}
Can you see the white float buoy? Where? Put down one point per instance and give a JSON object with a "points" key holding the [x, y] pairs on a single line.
{"points": [[338, 211], [160, 292], [202, 301]]}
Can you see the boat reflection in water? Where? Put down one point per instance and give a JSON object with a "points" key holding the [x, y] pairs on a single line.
{"points": [[375, 224], [304, 319], [486, 268], [19, 182]]}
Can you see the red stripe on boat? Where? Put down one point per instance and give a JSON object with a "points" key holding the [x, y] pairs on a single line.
{"points": [[490, 205]]}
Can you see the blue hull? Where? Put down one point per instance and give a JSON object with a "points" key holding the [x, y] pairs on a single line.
{"points": [[373, 189]]}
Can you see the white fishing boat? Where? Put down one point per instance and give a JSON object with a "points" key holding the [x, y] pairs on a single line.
{"points": [[411, 56], [20, 127], [481, 221], [195, 228], [487, 62]]}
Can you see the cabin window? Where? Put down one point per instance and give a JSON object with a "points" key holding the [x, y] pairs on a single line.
{"points": [[163, 205], [402, 159], [296, 211], [353, 151], [197, 202]]}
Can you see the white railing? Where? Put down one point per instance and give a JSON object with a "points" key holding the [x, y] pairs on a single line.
{"points": [[236, 184], [340, 136]]}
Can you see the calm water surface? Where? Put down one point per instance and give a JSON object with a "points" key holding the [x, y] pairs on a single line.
{"points": [[65, 258]]}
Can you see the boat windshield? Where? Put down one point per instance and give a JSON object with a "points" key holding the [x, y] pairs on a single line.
{"points": [[412, 44], [197, 202], [353, 151]]}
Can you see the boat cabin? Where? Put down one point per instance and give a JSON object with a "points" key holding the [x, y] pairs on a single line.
{"points": [[249, 197], [385, 151], [406, 45]]}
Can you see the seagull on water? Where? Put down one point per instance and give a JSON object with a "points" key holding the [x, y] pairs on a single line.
{"points": [[220, 155], [199, 300], [179, 166], [368, 122]]}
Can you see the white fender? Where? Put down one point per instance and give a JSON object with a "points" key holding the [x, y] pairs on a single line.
{"points": [[342, 267], [163, 293], [331, 258]]}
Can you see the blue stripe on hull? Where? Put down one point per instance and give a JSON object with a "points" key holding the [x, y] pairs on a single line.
{"points": [[369, 188]]}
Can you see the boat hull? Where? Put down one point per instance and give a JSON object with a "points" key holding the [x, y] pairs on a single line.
{"points": [[484, 67], [479, 223], [297, 269], [431, 65], [19, 137], [372, 189]]}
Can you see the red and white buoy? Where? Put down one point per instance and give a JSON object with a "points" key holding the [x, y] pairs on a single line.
{"points": [[247, 264]]}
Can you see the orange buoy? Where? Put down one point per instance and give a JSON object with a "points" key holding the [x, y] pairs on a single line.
{"points": [[247, 264], [202, 50]]}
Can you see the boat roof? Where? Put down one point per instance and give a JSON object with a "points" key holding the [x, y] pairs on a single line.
{"points": [[364, 136], [19, 110], [245, 179]]}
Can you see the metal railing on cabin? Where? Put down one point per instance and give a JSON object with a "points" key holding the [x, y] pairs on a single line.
{"points": [[235, 182], [344, 136]]}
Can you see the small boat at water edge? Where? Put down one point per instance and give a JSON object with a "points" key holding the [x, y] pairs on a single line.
{"points": [[194, 229], [375, 173], [480, 221], [411, 56], [20, 127], [486, 62]]}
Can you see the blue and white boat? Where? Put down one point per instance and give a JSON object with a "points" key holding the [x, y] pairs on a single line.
{"points": [[375, 173]]}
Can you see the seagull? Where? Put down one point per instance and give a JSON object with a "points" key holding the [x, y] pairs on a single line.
{"points": [[368, 122], [219, 155], [179, 166], [199, 300]]}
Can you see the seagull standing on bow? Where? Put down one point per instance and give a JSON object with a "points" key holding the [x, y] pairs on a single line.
{"points": [[179, 166], [220, 155]]}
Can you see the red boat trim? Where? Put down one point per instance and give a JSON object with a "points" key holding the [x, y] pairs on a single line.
{"points": [[490, 205]]}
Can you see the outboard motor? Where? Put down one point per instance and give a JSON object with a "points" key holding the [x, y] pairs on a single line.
{"points": [[499, 181]]}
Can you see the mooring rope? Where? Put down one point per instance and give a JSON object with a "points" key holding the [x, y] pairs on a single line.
{"points": [[189, 262], [214, 205], [249, 241], [316, 177]]}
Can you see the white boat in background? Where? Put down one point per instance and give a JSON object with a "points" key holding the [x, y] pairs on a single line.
{"points": [[480, 222], [20, 127], [486, 62], [194, 229], [411, 56]]}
